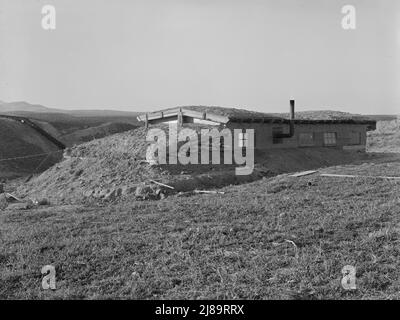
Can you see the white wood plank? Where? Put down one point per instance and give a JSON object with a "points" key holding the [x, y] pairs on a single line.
{"points": [[303, 173]]}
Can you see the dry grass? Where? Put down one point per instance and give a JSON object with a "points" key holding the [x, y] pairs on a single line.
{"points": [[278, 238]]}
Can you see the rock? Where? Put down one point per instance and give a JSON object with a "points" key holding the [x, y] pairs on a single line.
{"points": [[144, 192], [43, 202]]}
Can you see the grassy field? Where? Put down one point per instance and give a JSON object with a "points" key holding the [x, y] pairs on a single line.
{"points": [[277, 238]]}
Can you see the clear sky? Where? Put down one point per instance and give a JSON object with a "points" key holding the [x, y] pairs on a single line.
{"points": [[143, 55]]}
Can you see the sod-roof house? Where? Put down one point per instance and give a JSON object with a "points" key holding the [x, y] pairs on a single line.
{"points": [[341, 130]]}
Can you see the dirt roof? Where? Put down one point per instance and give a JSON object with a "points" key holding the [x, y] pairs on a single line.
{"points": [[235, 114], [230, 113], [324, 115]]}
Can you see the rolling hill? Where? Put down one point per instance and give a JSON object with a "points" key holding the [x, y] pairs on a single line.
{"points": [[71, 127], [67, 123], [23, 106], [23, 150]]}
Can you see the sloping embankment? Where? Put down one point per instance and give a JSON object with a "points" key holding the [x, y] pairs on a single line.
{"points": [[113, 167], [23, 150]]}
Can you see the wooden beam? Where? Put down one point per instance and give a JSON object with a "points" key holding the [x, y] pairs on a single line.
{"points": [[303, 173], [180, 117], [162, 184]]}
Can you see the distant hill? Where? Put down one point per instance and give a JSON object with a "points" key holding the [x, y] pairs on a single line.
{"points": [[22, 106], [67, 124], [73, 126]]}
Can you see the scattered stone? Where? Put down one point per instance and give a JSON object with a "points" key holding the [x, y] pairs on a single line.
{"points": [[43, 202], [143, 192]]}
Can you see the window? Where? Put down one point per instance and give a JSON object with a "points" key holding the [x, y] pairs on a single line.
{"points": [[275, 135], [306, 139], [243, 140], [330, 138], [355, 138]]}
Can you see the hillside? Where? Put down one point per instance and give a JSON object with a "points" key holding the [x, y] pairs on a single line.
{"points": [[73, 126], [66, 124], [70, 127], [113, 168], [22, 142], [96, 132]]}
